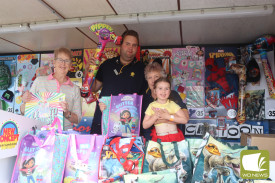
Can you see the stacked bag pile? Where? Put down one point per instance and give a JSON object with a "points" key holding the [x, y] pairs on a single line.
{"points": [[120, 155]]}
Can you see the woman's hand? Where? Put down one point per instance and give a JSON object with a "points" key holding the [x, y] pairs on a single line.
{"points": [[102, 106], [65, 106], [26, 97]]}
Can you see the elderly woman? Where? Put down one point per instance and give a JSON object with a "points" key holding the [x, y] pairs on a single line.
{"points": [[58, 82], [154, 71]]}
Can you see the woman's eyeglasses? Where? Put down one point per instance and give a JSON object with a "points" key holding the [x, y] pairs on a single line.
{"points": [[60, 60]]}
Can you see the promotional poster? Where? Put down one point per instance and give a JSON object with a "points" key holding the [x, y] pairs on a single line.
{"points": [[164, 54], [7, 84], [76, 70], [12, 128], [26, 68]]}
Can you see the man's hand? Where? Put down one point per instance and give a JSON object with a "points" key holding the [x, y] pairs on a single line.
{"points": [[92, 61], [102, 106]]}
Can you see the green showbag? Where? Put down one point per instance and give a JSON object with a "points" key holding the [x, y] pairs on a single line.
{"points": [[169, 155]]}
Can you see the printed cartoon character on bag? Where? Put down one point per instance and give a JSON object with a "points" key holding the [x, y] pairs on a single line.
{"points": [[39, 178], [156, 163], [219, 166], [125, 118], [28, 168], [81, 170]]}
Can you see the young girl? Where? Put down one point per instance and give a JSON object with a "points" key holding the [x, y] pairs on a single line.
{"points": [[164, 114]]}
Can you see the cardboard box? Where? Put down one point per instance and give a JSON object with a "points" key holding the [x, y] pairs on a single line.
{"points": [[262, 141]]}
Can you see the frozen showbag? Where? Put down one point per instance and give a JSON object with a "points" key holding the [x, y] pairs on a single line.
{"points": [[83, 158], [44, 106], [124, 116], [34, 160]]}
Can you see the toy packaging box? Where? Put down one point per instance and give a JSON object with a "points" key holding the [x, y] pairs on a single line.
{"points": [[188, 78], [219, 83]]}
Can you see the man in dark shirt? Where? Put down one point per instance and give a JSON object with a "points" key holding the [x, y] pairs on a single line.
{"points": [[123, 74]]}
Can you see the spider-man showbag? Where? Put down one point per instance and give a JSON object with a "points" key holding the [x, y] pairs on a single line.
{"points": [[120, 156]]}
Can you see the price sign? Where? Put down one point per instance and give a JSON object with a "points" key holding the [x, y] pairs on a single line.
{"points": [[270, 113], [78, 74], [199, 113], [10, 109]]}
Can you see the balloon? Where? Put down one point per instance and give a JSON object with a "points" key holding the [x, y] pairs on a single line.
{"points": [[240, 70], [261, 45], [105, 34]]}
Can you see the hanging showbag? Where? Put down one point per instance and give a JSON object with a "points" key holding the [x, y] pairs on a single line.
{"points": [[34, 159], [105, 114], [83, 158], [217, 162], [194, 145], [120, 156], [169, 155], [164, 176], [61, 145], [124, 116]]}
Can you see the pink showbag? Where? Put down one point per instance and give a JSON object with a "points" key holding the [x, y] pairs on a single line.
{"points": [[124, 116], [83, 158], [34, 159]]}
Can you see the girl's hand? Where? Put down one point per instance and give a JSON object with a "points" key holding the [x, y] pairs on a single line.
{"points": [[164, 114], [102, 106], [157, 113]]}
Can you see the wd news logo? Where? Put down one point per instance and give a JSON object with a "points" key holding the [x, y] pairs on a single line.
{"points": [[254, 164]]}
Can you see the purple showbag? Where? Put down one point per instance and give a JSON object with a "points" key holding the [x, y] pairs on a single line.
{"points": [[124, 117], [83, 158], [34, 159]]}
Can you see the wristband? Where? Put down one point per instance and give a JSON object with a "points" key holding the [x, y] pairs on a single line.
{"points": [[172, 117], [69, 115]]}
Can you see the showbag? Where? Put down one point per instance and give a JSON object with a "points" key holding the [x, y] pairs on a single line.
{"points": [[60, 149], [169, 155], [160, 177], [217, 162], [105, 114], [83, 158], [120, 156], [34, 159], [124, 115]]}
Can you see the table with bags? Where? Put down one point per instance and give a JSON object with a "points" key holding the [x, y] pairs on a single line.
{"points": [[51, 155]]}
